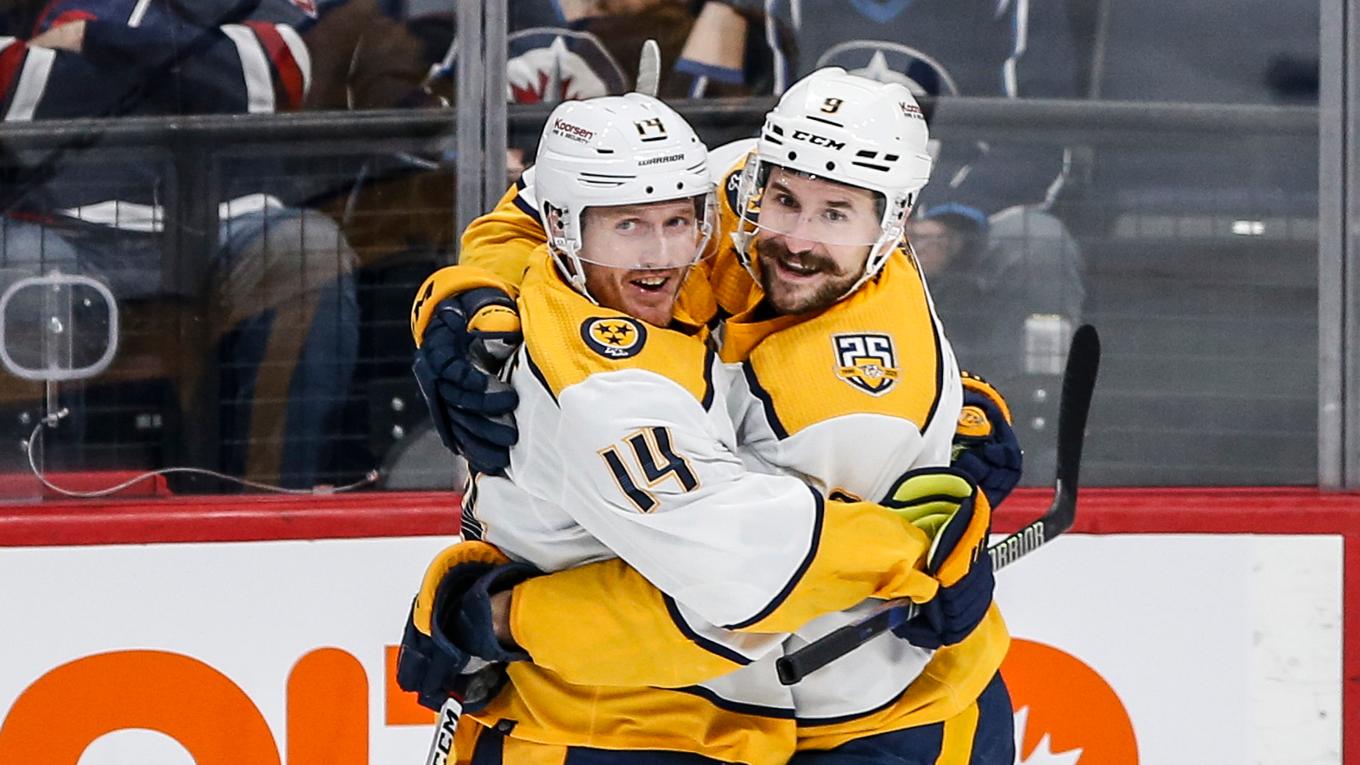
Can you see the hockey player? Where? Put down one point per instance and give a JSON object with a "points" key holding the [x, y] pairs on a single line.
{"points": [[873, 318], [629, 451]]}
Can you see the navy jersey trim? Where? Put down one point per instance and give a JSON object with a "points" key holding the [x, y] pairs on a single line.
{"points": [[712, 647], [538, 375], [470, 525], [523, 206], [755, 710], [819, 517], [766, 401], [936, 334], [707, 401], [939, 377]]}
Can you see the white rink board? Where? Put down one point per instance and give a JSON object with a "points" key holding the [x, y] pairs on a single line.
{"points": [[1221, 648], [1224, 649]]}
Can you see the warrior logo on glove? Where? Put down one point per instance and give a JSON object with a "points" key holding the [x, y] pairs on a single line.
{"points": [[867, 361]]}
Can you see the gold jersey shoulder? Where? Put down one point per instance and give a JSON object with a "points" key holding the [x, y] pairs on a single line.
{"points": [[570, 338], [876, 352]]}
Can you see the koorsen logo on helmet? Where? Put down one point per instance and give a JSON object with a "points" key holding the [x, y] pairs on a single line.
{"points": [[574, 132]]}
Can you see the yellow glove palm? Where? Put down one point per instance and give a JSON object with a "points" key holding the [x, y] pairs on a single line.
{"points": [[928, 498], [946, 506]]}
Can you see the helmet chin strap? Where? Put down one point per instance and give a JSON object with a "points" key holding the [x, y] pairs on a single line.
{"points": [[878, 257], [893, 231], [565, 256]]}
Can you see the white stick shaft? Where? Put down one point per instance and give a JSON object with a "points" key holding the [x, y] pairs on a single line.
{"points": [[441, 748]]}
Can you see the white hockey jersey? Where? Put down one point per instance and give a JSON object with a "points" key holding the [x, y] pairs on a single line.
{"points": [[628, 451], [845, 401]]}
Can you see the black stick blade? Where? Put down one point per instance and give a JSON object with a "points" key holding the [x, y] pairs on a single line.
{"points": [[1079, 382]]}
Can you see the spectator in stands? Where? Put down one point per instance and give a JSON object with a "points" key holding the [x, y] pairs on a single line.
{"points": [[280, 305], [394, 208], [1009, 290], [364, 57], [935, 47], [586, 48]]}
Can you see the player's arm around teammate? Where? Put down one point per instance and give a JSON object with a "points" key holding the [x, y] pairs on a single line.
{"points": [[514, 201], [626, 450]]}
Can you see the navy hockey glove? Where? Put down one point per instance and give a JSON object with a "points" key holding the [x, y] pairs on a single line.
{"points": [[430, 663], [467, 341], [959, 519], [474, 627], [985, 445]]}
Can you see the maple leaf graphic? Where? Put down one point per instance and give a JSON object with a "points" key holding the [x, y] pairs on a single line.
{"points": [[1043, 754]]}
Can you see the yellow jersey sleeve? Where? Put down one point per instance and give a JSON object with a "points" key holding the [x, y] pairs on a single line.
{"points": [[450, 281], [502, 240], [495, 252], [562, 621]]}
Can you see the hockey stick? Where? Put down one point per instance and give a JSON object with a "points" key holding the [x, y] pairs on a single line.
{"points": [[1079, 380], [441, 748], [649, 69], [478, 684]]}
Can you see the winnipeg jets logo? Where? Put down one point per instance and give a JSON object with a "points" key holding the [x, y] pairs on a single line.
{"points": [[894, 63], [866, 361], [551, 65], [306, 6]]}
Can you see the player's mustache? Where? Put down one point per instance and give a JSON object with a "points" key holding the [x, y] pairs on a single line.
{"points": [[771, 248]]}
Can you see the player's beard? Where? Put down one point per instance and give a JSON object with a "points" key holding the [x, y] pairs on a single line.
{"points": [[787, 299]]}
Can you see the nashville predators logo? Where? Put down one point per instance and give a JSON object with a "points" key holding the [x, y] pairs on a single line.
{"points": [[615, 337], [866, 361], [973, 423]]}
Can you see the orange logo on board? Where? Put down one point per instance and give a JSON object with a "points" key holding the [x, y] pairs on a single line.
{"points": [[1065, 712]]}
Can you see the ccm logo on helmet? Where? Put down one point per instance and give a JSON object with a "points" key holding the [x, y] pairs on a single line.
{"points": [[817, 140], [574, 132]]}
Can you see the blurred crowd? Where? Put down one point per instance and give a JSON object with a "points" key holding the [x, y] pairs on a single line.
{"points": [[288, 335]]}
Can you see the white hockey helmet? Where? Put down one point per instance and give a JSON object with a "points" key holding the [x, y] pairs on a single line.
{"points": [[610, 151], [849, 129]]}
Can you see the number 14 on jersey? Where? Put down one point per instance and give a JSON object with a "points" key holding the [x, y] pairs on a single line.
{"points": [[644, 461]]}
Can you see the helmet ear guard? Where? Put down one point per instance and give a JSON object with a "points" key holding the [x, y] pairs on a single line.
{"points": [[749, 190], [564, 244]]}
